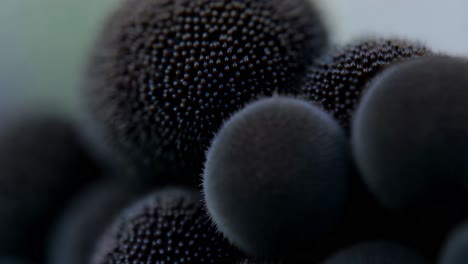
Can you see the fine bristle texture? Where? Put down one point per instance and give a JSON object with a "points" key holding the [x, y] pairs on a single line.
{"points": [[169, 226], [337, 81], [166, 74], [271, 170]]}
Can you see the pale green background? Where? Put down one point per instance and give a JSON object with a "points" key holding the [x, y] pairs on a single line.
{"points": [[43, 43]]}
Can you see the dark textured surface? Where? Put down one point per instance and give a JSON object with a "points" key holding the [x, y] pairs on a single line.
{"points": [[42, 164], [378, 252], [169, 226], [337, 81], [257, 261], [81, 225], [11, 260], [410, 135], [455, 250], [276, 176], [166, 73]]}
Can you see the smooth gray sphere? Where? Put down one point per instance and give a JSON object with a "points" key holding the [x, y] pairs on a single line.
{"points": [[455, 250], [378, 252], [410, 135], [276, 176]]}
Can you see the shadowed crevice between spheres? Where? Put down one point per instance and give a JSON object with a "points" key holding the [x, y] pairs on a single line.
{"points": [[259, 261], [164, 75], [11, 260], [43, 163], [276, 177], [74, 237]]}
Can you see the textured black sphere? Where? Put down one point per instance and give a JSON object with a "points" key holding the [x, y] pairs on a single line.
{"points": [[376, 253], [168, 226], [81, 225], [410, 135], [455, 250], [166, 74], [337, 81], [42, 164], [276, 176]]}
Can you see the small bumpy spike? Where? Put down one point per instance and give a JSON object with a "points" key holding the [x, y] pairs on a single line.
{"points": [[168, 226], [166, 74]]}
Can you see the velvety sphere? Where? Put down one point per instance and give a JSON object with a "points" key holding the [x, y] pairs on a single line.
{"points": [[410, 135], [42, 165], [276, 176], [455, 250], [166, 74], [168, 226], [336, 82], [81, 225], [378, 252]]}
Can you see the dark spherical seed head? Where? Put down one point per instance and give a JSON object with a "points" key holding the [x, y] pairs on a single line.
{"points": [[168, 226], [276, 176], [337, 81], [166, 74], [455, 250], [378, 252], [42, 164], [76, 233], [410, 135]]}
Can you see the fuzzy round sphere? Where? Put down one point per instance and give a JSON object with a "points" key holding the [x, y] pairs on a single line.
{"points": [[42, 165], [455, 250], [378, 252], [410, 135], [80, 226], [166, 73], [337, 81], [168, 226], [276, 176]]}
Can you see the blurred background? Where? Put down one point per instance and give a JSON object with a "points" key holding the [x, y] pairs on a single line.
{"points": [[43, 47], [44, 42]]}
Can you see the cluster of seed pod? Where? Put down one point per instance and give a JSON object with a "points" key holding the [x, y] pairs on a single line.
{"points": [[354, 154]]}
